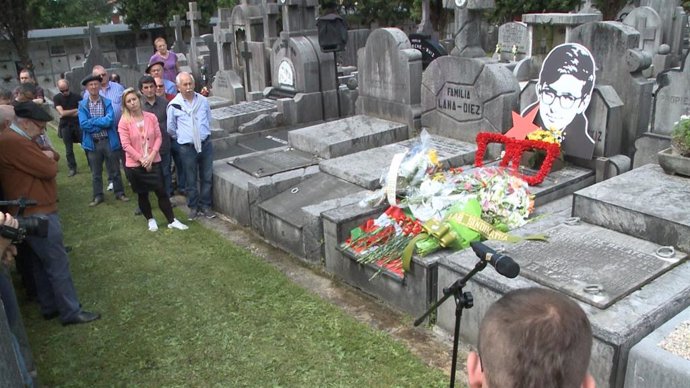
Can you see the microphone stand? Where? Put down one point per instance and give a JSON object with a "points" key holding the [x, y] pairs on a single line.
{"points": [[463, 300]]}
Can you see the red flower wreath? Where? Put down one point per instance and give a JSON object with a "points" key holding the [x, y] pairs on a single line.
{"points": [[514, 150]]}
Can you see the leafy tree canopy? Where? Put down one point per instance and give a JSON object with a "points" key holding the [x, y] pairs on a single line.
{"points": [[142, 12]]}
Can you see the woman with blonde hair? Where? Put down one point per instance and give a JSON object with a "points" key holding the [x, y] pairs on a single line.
{"points": [[141, 140], [169, 59]]}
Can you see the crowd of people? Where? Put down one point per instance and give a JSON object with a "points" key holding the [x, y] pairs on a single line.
{"points": [[140, 129], [529, 338]]}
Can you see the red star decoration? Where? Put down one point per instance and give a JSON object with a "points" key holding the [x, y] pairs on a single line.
{"points": [[523, 125]]}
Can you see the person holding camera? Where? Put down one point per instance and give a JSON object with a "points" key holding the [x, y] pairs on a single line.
{"points": [[7, 250], [28, 170]]}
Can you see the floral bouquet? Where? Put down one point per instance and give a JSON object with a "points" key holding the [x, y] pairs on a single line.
{"points": [[406, 172], [382, 241]]}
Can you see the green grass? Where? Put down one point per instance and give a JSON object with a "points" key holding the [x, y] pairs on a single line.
{"points": [[189, 308]]}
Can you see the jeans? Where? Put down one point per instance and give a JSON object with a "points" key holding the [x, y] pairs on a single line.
{"points": [[100, 154], [198, 171], [54, 284], [175, 153], [166, 161], [67, 139]]}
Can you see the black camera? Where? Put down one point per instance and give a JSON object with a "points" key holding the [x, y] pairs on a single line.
{"points": [[36, 225]]}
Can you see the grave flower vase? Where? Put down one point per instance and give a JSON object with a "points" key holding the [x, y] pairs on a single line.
{"points": [[674, 163]]}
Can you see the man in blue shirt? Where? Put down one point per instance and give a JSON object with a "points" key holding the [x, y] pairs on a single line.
{"points": [[100, 139], [189, 118], [110, 90]]}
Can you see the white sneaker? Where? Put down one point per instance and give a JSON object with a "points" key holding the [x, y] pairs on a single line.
{"points": [[177, 225], [110, 186], [153, 226]]}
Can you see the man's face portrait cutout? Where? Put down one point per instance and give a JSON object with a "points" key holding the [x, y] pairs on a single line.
{"points": [[565, 85]]}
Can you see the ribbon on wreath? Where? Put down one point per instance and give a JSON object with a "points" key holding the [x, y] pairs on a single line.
{"points": [[513, 153], [458, 229]]}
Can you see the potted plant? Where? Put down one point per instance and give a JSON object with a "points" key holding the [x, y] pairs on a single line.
{"points": [[676, 160]]}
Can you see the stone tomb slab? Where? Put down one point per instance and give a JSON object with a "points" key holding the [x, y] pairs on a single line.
{"points": [[610, 265], [417, 291], [218, 102], [275, 162], [654, 364], [365, 168], [237, 193], [345, 136], [231, 117], [292, 219], [645, 202], [413, 294], [616, 329]]}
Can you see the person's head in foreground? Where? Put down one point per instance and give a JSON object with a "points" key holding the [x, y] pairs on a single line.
{"points": [[532, 338]]}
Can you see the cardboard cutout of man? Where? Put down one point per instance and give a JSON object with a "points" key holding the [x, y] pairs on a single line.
{"points": [[564, 91]]}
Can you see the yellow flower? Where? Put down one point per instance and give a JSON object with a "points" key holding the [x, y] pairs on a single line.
{"points": [[542, 135], [433, 157], [557, 134]]}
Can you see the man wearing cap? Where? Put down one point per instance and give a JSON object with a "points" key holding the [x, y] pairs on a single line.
{"points": [[100, 139], [28, 170], [66, 103], [155, 69], [108, 89], [189, 116]]}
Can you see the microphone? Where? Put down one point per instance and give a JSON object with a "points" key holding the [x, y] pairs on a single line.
{"points": [[503, 264]]}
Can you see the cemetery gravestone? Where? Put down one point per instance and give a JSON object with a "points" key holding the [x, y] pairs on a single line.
{"points": [[299, 68], [179, 46], [389, 78], [513, 41], [468, 17], [462, 97], [672, 98], [609, 42], [94, 57], [548, 30], [673, 25], [222, 35], [648, 22], [193, 15], [227, 84]]}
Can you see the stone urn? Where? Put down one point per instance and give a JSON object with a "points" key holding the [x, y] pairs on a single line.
{"points": [[673, 162]]}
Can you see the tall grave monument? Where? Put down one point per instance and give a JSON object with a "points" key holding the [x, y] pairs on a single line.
{"points": [[609, 42], [226, 83], [468, 17], [249, 58], [299, 69]]}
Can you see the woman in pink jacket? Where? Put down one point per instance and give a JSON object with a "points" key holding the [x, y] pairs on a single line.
{"points": [[141, 140]]}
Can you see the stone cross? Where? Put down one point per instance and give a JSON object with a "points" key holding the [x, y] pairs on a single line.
{"points": [[299, 18], [222, 35], [93, 31], [647, 34], [271, 13], [177, 23], [246, 54], [468, 17], [192, 16]]}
